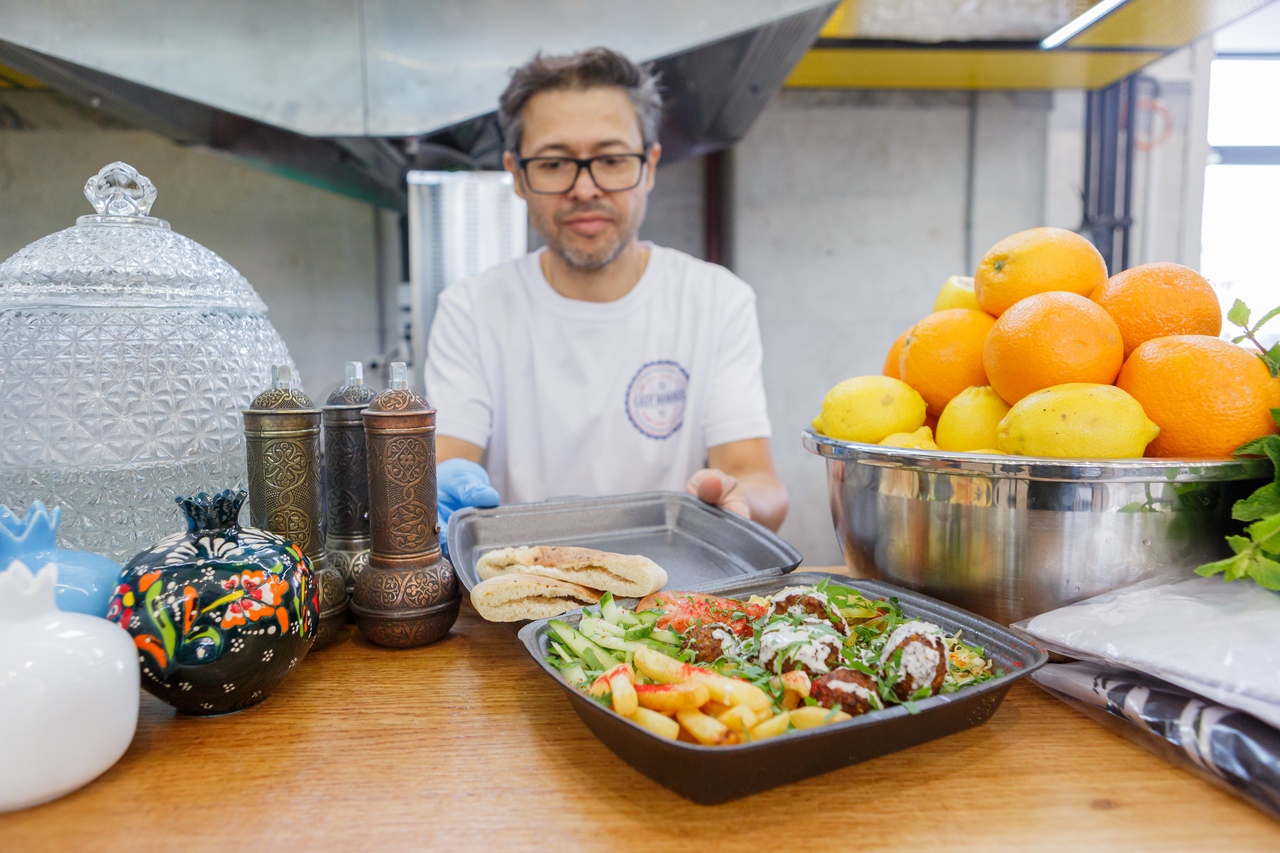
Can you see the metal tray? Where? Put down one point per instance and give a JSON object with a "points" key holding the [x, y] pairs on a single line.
{"points": [[696, 543], [717, 774]]}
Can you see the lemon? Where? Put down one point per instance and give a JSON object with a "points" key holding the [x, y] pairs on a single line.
{"points": [[990, 451], [969, 421], [868, 408], [957, 292], [1078, 420], [921, 439]]}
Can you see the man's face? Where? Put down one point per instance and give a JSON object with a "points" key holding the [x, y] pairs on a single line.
{"points": [[585, 226]]}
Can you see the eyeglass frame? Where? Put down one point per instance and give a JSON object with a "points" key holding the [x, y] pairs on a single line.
{"points": [[581, 163]]}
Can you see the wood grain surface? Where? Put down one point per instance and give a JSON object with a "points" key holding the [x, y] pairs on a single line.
{"points": [[467, 745]]}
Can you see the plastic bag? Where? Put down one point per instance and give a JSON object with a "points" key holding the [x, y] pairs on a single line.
{"points": [[1233, 750], [1215, 639]]}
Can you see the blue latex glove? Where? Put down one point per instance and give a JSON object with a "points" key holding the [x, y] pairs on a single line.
{"points": [[459, 483]]}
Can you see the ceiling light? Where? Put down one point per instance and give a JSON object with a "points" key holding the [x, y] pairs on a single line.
{"points": [[1073, 28]]}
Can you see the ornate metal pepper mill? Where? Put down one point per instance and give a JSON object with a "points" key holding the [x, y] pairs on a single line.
{"points": [[346, 469], [282, 431], [408, 595]]}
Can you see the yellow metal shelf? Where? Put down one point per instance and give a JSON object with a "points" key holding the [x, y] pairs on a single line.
{"points": [[932, 68], [1119, 44]]}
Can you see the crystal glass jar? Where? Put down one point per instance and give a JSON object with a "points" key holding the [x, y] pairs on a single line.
{"points": [[127, 352]]}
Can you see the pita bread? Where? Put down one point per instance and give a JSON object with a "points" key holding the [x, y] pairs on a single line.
{"points": [[513, 597], [629, 575]]}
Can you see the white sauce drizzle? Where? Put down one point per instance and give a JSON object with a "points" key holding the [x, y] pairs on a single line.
{"points": [[906, 629], [805, 644]]}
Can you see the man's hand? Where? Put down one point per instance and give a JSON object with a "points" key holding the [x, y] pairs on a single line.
{"points": [[459, 483], [717, 488], [739, 477]]}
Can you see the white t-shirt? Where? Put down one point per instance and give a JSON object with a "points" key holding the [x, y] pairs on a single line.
{"points": [[597, 398]]}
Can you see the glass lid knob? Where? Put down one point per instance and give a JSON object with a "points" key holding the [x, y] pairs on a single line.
{"points": [[118, 190]]}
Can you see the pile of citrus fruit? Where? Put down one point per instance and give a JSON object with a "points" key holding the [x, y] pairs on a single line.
{"points": [[1040, 353]]}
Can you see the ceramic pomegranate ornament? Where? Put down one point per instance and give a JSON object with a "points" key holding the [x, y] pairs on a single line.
{"points": [[68, 691], [219, 614], [85, 579]]}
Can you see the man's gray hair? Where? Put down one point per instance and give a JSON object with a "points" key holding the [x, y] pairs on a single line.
{"points": [[589, 69]]}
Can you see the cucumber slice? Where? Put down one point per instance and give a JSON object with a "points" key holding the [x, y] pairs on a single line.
{"points": [[615, 643], [615, 614], [646, 617], [593, 656], [639, 632], [663, 636], [593, 627]]}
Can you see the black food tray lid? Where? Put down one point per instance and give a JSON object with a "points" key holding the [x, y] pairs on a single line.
{"points": [[698, 544]]}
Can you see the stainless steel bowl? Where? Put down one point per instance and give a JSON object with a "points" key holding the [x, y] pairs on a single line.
{"points": [[1010, 536]]}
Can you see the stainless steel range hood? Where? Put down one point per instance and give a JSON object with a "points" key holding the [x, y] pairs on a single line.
{"points": [[330, 90]]}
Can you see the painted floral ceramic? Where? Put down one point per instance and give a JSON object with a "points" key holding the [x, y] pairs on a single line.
{"points": [[220, 614], [85, 579], [68, 692]]}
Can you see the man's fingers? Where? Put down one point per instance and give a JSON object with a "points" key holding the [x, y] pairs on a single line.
{"points": [[710, 488], [480, 495]]}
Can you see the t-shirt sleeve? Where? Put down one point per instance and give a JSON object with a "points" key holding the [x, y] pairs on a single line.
{"points": [[736, 407], [454, 375]]}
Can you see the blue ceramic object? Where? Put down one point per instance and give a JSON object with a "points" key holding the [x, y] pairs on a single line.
{"points": [[85, 580], [219, 614]]}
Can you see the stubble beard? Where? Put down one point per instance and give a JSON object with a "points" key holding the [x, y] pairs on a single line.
{"points": [[589, 261]]}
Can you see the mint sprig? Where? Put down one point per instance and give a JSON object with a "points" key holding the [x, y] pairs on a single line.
{"points": [[1257, 554], [1239, 316]]}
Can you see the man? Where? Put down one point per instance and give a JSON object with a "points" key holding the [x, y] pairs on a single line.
{"points": [[599, 365]]}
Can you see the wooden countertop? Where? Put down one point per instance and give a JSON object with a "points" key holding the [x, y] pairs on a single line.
{"points": [[466, 744]]}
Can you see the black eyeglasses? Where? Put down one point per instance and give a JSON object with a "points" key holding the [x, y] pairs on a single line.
{"points": [[554, 175]]}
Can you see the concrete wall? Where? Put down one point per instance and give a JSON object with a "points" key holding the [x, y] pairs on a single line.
{"points": [[850, 210], [309, 253]]}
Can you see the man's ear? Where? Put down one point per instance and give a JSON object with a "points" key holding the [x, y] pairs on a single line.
{"points": [[509, 163], [655, 154]]}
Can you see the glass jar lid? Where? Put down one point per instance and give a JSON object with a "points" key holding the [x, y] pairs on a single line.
{"points": [[124, 257]]}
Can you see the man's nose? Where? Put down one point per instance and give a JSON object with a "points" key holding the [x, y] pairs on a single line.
{"points": [[584, 186]]}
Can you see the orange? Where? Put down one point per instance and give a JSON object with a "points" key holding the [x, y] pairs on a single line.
{"points": [[1155, 300], [1036, 261], [895, 353], [1207, 395], [1051, 339], [943, 355]]}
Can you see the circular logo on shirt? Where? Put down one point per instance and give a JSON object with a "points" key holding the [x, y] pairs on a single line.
{"points": [[655, 398]]}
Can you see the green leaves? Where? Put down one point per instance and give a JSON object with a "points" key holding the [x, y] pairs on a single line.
{"points": [[1239, 316], [1256, 555]]}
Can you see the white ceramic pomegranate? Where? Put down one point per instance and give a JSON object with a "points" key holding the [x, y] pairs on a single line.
{"points": [[68, 691]]}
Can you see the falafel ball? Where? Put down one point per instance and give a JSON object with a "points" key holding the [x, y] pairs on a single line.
{"points": [[709, 642], [923, 664], [853, 691], [811, 606]]}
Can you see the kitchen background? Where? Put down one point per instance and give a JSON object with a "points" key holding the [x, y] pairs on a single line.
{"points": [[845, 208]]}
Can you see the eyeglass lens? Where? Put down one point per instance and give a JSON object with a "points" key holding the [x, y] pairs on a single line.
{"points": [[611, 172]]}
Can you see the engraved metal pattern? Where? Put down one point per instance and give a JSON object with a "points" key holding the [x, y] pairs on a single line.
{"points": [[351, 395], [402, 494], [284, 489], [398, 400], [346, 479], [282, 399], [284, 492], [348, 563], [408, 594]]}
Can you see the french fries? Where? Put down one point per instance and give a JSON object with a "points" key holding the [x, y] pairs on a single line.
{"points": [[660, 724], [670, 698], [812, 716], [713, 709]]}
